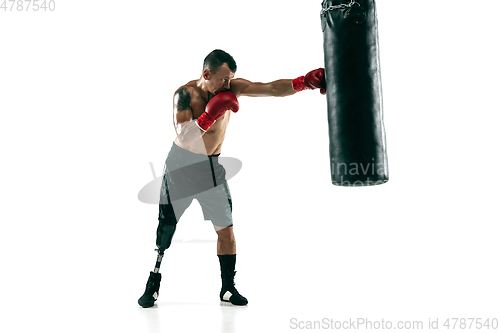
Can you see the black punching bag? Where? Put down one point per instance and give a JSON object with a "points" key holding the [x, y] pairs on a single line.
{"points": [[354, 94]]}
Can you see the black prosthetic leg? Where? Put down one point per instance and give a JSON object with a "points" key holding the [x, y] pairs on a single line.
{"points": [[165, 234], [151, 293]]}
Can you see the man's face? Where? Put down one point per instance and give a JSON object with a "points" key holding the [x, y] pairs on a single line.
{"points": [[221, 80]]}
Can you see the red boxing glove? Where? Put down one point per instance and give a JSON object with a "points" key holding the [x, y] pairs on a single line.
{"points": [[216, 108], [312, 80]]}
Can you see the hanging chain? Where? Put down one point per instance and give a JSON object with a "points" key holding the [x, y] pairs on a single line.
{"points": [[334, 7]]}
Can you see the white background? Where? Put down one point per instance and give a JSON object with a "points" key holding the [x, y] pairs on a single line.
{"points": [[86, 103]]}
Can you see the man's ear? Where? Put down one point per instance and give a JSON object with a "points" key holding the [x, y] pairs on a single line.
{"points": [[206, 74]]}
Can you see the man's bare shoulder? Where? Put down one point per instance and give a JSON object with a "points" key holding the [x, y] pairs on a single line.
{"points": [[238, 85], [189, 87], [243, 87]]}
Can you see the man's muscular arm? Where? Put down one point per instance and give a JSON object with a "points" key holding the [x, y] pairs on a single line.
{"points": [[182, 106], [280, 88], [185, 127]]}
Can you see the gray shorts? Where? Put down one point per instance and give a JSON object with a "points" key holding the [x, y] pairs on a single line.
{"points": [[189, 176]]}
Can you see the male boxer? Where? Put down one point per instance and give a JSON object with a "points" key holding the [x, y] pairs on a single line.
{"points": [[202, 109]]}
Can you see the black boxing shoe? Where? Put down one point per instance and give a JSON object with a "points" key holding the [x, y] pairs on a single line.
{"points": [[149, 297], [228, 292]]}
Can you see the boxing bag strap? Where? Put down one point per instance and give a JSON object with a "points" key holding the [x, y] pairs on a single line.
{"points": [[334, 7]]}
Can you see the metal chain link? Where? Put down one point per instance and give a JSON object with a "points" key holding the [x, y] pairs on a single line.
{"points": [[334, 7]]}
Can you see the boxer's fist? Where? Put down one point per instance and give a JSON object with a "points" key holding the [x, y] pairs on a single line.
{"points": [[312, 80], [225, 100], [216, 108]]}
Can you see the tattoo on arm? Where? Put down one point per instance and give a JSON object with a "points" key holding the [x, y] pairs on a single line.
{"points": [[183, 99]]}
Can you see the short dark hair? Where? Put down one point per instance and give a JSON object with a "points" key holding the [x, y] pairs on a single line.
{"points": [[217, 58]]}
